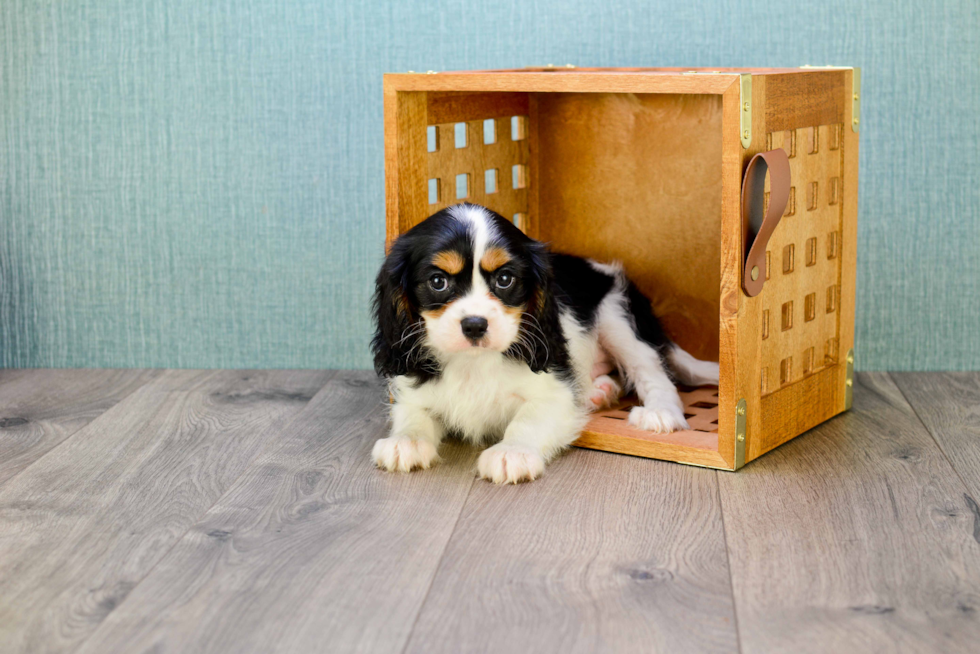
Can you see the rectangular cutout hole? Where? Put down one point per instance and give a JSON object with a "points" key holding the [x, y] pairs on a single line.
{"points": [[459, 130], [518, 128], [490, 181], [835, 134], [764, 379], [768, 267], [810, 307], [813, 140], [462, 186], [811, 251], [831, 299], [830, 352], [489, 131], [519, 174], [832, 245], [786, 371], [432, 138], [791, 202], [811, 196], [808, 361], [789, 256], [789, 143], [834, 190], [520, 220], [434, 191], [765, 324], [788, 316], [765, 203]]}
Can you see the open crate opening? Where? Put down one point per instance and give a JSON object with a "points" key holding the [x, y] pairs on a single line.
{"points": [[645, 166]]}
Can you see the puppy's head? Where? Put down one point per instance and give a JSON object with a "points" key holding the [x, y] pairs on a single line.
{"points": [[465, 282]]}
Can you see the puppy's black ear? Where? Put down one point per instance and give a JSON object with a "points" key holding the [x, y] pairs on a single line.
{"points": [[540, 324], [395, 321]]}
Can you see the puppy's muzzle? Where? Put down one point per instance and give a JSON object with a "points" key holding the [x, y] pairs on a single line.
{"points": [[474, 327]]}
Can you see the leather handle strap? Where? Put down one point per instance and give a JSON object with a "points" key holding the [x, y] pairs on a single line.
{"points": [[757, 229]]}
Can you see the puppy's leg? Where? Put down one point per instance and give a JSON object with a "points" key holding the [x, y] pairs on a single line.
{"points": [[548, 422], [414, 440], [605, 392], [662, 410], [691, 371]]}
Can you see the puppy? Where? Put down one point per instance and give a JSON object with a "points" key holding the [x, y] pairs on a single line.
{"points": [[485, 334]]}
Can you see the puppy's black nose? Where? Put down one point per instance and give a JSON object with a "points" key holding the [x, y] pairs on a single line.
{"points": [[474, 327]]}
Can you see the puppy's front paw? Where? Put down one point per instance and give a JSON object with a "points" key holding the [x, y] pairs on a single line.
{"points": [[401, 454], [658, 419], [605, 392], [506, 463]]}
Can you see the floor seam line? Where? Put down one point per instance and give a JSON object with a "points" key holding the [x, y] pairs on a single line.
{"points": [[728, 561], [435, 573]]}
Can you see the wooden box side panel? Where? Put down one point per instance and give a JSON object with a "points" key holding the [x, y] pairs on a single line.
{"points": [[803, 321], [406, 170], [801, 298], [637, 178]]}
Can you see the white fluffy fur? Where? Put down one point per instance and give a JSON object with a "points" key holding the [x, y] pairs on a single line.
{"points": [[485, 397]]}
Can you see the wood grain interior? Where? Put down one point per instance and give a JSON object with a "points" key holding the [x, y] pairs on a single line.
{"points": [[637, 178]]}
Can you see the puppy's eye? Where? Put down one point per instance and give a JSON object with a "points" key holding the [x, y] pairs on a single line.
{"points": [[438, 283], [505, 280]]}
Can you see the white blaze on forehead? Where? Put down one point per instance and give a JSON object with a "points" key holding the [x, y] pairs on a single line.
{"points": [[444, 333], [482, 231]]}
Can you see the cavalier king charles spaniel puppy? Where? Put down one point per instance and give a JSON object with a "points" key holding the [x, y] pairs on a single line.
{"points": [[485, 334]]}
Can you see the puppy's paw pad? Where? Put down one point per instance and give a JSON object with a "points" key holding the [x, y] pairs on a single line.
{"points": [[605, 392], [660, 419], [403, 454], [510, 464]]}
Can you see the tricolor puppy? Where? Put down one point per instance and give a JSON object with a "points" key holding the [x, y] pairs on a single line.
{"points": [[484, 333]]}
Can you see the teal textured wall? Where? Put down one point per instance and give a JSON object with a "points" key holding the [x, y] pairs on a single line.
{"points": [[200, 184]]}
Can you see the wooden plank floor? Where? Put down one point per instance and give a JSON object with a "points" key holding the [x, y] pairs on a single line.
{"points": [[238, 511]]}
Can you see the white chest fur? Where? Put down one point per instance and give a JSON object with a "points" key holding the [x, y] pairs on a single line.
{"points": [[479, 394]]}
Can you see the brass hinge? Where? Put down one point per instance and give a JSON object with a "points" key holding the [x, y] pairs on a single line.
{"points": [[849, 381], [740, 419]]}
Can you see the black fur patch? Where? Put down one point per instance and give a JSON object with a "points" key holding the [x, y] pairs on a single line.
{"points": [[582, 287]]}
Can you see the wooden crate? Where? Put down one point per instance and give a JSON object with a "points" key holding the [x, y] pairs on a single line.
{"points": [[646, 166]]}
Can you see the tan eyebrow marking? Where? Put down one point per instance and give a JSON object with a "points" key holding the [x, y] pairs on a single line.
{"points": [[493, 258], [450, 261]]}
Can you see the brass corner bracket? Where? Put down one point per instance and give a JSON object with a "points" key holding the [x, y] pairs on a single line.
{"points": [[741, 413], [745, 109]]}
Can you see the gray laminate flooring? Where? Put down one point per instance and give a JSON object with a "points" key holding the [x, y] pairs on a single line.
{"points": [[238, 511]]}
